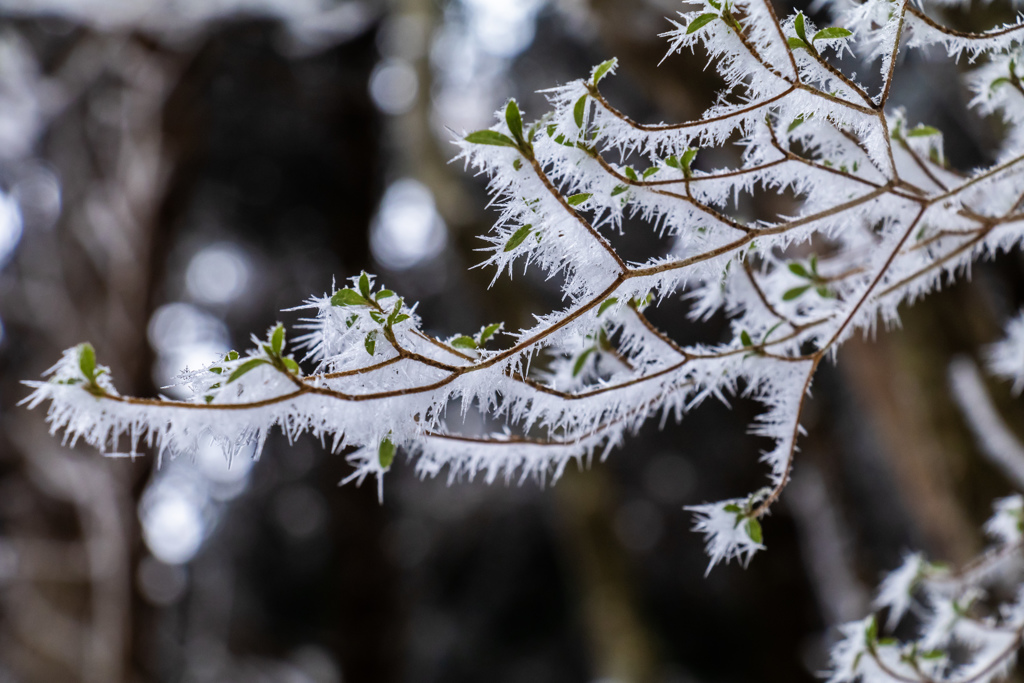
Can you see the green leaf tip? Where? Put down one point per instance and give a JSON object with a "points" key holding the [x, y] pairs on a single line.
{"points": [[514, 120], [579, 110], [602, 69], [490, 137], [464, 342], [700, 22], [87, 361], [798, 25], [386, 453], [277, 339], [246, 367], [754, 530], [518, 236], [348, 297], [831, 33], [606, 304]]}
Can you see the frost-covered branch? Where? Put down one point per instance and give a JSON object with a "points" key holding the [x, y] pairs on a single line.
{"points": [[880, 220]]}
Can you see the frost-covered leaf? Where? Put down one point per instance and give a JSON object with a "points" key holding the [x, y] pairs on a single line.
{"points": [[602, 69], [518, 236], [832, 33], [245, 367], [348, 297], [700, 22], [490, 137]]}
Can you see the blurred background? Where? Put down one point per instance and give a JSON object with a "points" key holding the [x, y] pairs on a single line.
{"points": [[174, 173]]}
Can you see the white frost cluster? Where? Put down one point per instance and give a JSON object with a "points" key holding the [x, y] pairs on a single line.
{"points": [[1006, 357], [963, 635], [881, 220]]}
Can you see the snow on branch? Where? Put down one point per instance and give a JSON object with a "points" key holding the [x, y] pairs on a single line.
{"points": [[881, 220]]}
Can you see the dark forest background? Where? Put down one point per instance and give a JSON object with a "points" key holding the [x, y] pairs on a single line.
{"points": [[183, 176]]}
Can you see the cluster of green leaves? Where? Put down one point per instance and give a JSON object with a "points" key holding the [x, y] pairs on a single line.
{"points": [[598, 341], [802, 42], [911, 655], [724, 13], [757, 349], [478, 340], [273, 356], [514, 121], [815, 280], [745, 515], [218, 370], [383, 317]]}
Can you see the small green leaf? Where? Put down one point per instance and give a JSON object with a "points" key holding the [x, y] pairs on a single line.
{"points": [[606, 304], [463, 342], [767, 334], [518, 236], [871, 633], [383, 294], [277, 339], [745, 338], [514, 120], [824, 292], [581, 361], [687, 161], [216, 370], [517, 164], [700, 21], [649, 171], [923, 131], [672, 161], [796, 43], [579, 110], [754, 530], [489, 332], [394, 312], [933, 654], [831, 33], [796, 122], [619, 189], [603, 68], [370, 342], [798, 25], [377, 317], [364, 285], [795, 292], [386, 453], [490, 137], [291, 365], [814, 266], [1002, 80], [799, 270], [401, 317], [246, 367], [577, 199], [348, 297], [733, 507], [231, 355], [87, 361], [714, 3], [631, 174]]}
